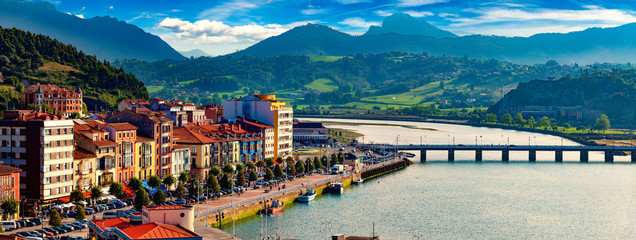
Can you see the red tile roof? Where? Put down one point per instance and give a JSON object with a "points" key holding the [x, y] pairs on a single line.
{"points": [[105, 143], [80, 153], [9, 237], [4, 169], [157, 231], [186, 136], [114, 222], [122, 126], [143, 139]]}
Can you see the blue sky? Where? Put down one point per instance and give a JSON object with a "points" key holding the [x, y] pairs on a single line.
{"points": [[220, 27]]}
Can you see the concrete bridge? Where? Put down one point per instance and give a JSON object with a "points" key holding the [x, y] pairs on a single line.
{"points": [[506, 149]]}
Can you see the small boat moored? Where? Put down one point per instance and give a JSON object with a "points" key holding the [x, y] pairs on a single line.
{"points": [[336, 188], [308, 196], [358, 181], [276, 206]]}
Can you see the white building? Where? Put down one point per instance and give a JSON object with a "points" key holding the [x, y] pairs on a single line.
{"points": [[180, 159], [266, 109]]}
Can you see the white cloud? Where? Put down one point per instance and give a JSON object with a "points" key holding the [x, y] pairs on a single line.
{"points": [[111, 7], [591, 14], [419, 14], [83, 8], [383, 13], [80, 16], [352, 1], [415, 3], [230, 8], [445, 15], [216, 31], [357, 22], [313, 11]]}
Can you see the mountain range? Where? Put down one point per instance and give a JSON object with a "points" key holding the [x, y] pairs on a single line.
{"points": [[195, 53], [406, 34], [105, 37]]}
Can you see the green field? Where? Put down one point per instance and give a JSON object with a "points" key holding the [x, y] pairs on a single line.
{"points": [[325, 58], [154, 89], [186, 82], [322, 84]]}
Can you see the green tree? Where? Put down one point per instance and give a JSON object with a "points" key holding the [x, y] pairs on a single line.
{"points": [[253, 176], [531, 122], [116, 189], [602, 123], [55, 219], [228, 168], [135, 184], [269, 175], [96, 192], [310, 165], [168, 181], [141, 199], [324, 160], [279, 160], [184, 177], [77, 195], [317, 163], [340, 158], [75, 115], [567, 126], [519, 119], [270, 162], [212, 184], [333, 160], [180, 192], [491, 118], [251, 166], [159, 197], [291, 169], [215, 171], [154, 181], [506, 119], [545, 122], [260, 164], [240, 178], [239, 167], [300, 166], [10, 207], [226, 181], [79, 213], [195, 188], [278, 171]]}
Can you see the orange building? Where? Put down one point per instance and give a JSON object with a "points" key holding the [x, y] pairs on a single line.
{"points": [[125, 135], [9, 183], [63, 101]]}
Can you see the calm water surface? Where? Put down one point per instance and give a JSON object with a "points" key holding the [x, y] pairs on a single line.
{"points": [[468, 200]]}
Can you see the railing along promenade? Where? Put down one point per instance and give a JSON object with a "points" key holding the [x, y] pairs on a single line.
{"points": [[506, 149]]}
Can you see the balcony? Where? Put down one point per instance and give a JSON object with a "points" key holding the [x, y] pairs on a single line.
{"points": [[107, 163]]}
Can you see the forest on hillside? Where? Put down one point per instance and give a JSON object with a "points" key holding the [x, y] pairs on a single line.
{"points": [[27, 58]]}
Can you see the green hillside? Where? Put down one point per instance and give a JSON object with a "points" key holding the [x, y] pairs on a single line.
{"points": [[27, 58]]}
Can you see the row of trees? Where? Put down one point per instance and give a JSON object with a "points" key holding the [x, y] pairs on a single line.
{"points": [[601, 124]]}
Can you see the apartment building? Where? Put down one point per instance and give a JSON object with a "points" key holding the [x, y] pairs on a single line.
{"points": [[153, 125], [84, 175], [201, 150], [9, 184], [267, 133], [180, 159], [41, 145], [125, 135], [89, 136], [145, 157], [63, 101], [268, 110]]}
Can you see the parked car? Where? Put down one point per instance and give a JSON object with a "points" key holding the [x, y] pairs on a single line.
{"points": [[109, 215], [37, 221], [261, 182], [9, 225], [52, 230], [45, 233], [111, 206]]}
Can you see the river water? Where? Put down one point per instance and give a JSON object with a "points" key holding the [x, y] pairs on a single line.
{"points": [[465, 199]]}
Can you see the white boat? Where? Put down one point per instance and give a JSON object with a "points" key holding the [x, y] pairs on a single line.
{"points": [[336, 188], [358, 181], [309, 196]]}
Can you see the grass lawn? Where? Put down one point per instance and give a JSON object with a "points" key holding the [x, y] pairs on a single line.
{"points": [[322, 84], [325, 58], [56, 67], [186, 82], [154, 89]]}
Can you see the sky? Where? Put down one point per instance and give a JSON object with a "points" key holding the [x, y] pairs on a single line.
{"points": [[224, 26]]}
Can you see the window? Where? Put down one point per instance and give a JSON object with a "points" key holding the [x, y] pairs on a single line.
{"points": [[58, 131]]}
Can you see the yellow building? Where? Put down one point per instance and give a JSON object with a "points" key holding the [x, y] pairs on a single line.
{"points": [[146, 152], [84, 173]]}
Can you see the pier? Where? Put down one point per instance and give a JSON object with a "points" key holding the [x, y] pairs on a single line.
{"points": [[506, 149]]}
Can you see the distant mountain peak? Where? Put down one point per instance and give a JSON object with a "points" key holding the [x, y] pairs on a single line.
{"points": [[195, 53], [405, 24]]}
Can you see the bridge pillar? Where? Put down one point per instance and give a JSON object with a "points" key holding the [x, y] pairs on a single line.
{"points": [[585, 157], [532, 155], [609, 156], [451, 155], [505, 155], [558, 156], [422, 155], [634, 156], [478, 154]]}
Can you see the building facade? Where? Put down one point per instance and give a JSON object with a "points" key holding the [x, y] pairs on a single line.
{"points": [[84, 164], [9, 184], [145, 157], [61, 100], [266, 109]]}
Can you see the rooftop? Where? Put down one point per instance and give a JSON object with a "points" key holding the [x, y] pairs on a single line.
{"points": [[167, 207], [114, 222], [122, 126], [79, 153], [157, 231], [4, 169]]}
